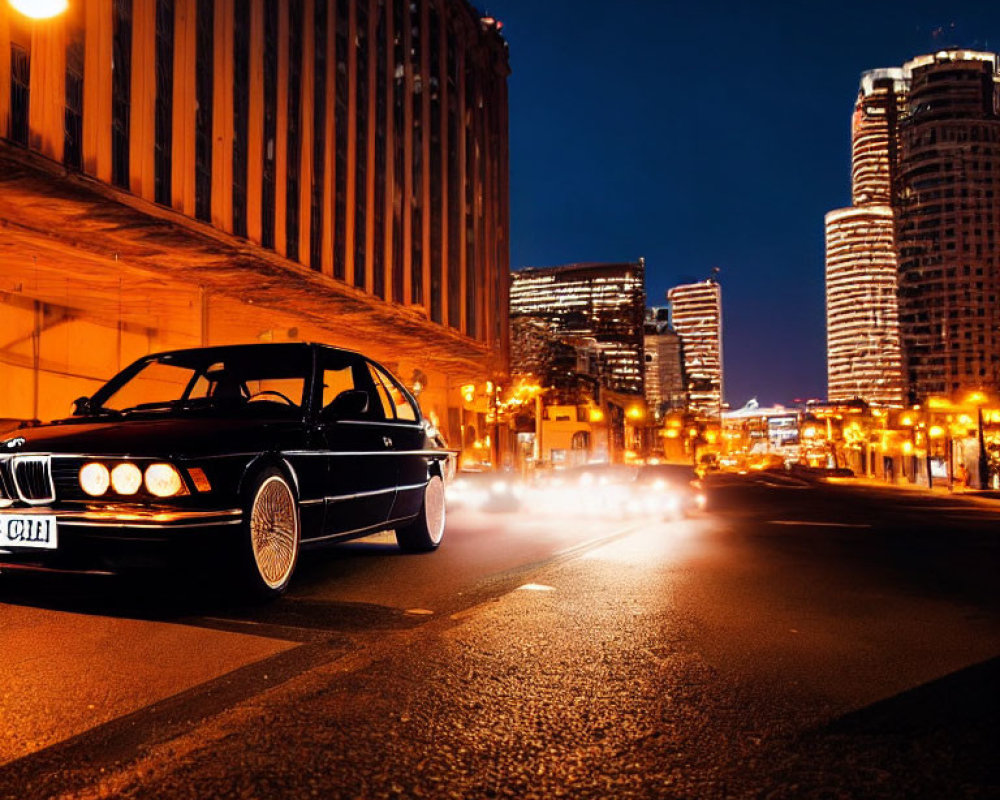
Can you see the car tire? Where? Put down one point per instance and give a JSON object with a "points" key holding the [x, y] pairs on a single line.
{"points": [[271, 535], [425, 532]]}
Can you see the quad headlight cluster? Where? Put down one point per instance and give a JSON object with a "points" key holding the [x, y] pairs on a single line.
{"points": [[126, 478]]}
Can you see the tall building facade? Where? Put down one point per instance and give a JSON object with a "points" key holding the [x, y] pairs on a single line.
{"points": [[666, 388], [949, 224], [696, 316], [862, 320], [862, 323], [927, 152], [596, 308], [183, 172]]}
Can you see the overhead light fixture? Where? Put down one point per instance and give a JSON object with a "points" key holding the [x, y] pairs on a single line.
{"points": [[40, 9]]}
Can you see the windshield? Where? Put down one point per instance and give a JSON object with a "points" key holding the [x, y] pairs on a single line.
{"points": [[258, 379]]}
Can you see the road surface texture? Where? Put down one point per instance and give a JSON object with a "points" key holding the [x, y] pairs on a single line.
{"points": [[798, 640]]}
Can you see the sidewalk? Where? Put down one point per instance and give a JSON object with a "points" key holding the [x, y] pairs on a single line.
{"points": [[940, 487]]}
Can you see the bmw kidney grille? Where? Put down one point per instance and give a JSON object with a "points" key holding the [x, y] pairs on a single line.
{"points": [[33, 478]]}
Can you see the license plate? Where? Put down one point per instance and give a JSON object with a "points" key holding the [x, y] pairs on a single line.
{"points": [[28, 530]]}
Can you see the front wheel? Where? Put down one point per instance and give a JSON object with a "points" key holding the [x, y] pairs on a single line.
{"points": [[271, 535], [426, 531]]}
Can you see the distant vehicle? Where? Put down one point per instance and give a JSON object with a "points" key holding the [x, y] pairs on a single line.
{"points": [[250, 451], [615, 490], [486, 491], [678, 487]]}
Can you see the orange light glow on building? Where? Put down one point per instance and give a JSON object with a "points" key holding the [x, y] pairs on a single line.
{"points": [[297, 181]]}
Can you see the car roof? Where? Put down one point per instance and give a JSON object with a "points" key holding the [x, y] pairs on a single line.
{"points": [[223, 349]]}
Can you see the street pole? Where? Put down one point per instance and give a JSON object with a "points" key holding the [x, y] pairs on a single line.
{"points": [[984, 470]]}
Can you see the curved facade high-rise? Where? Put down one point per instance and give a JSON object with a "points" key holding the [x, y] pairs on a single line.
{"points": [[875, 135], [862, 330], [948, 232], [863, 351]]}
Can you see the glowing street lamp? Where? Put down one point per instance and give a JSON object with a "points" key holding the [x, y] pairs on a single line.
{"points": [[978, 399], [40, 9]]}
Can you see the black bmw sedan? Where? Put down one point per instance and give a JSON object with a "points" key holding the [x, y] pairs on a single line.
{"points": [[245, 454]]}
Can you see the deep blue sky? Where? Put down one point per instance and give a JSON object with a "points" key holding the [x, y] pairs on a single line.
{"points": [[703, 134]]}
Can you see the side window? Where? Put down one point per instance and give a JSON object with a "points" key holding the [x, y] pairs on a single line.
{"points": [[402, 409], [383, 395], [336, 380]]}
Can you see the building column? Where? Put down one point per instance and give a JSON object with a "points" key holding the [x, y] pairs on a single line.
{"points": [[390, 153], [425, 141], [222, 116], [142, 114], [281, 138], [185, 105], [47, 109], [97, 90], [463, 322], [306, 127], [369, 144], [4, 71], [444, 99], [406, 214], [330, 140], [255, 124]]}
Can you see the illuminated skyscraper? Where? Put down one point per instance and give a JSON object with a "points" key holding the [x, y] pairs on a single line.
{"points": [[862, 326], [948, 229], [593, 306], [862, 323], [696, 316], [666, 388], [926, 165]]}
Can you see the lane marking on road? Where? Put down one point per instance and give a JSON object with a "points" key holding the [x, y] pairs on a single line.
{"points": [[818, 524], [536, 587], [419, 612]]}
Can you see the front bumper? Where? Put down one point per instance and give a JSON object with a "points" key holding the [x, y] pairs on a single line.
{"points": [[115, 538]]}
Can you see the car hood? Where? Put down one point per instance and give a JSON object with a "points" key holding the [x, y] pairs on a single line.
{"points": [[172, 437]]}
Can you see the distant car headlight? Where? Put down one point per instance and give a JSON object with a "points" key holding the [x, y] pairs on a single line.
{"points": [[126, 478], [94, 479], [500, 487], [163, 480]]}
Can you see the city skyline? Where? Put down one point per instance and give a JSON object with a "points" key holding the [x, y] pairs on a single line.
{"points": [[631, 125]]}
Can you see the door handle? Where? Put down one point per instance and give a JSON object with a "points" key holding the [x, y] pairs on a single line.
{"points": [[387, 441]]}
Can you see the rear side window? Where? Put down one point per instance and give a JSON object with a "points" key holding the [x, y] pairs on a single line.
{"points": [[397, 404]]}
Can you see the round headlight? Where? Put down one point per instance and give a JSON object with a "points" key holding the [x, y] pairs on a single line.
{"points": [[126, 478], [163, 480], [94, 479]]}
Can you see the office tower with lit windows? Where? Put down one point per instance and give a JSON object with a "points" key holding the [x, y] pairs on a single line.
{"points": [[696, 316], [664, 378], [948, 227], [862, 322], [862, 325], [926, 153], [188, 172], [598, 308]]}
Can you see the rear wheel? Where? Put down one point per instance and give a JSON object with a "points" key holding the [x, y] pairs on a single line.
{"points": [[271, 535], [427, 530]]}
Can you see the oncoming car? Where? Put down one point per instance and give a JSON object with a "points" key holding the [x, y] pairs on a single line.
{"points": [[245, 454]]}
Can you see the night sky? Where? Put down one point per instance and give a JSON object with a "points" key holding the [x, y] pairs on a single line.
{"points": [[706, 134]]}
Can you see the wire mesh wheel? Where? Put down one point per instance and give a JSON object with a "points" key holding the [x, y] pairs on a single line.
{"points": [[274, 532]]}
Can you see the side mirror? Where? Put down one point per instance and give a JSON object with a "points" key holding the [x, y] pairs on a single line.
{"points": [[81, 407], [352, 404]]}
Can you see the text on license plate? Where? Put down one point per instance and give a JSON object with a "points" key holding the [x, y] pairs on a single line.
{"points": [[28, 530]]}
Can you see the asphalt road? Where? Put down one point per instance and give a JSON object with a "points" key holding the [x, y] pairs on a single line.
{"points": [[797, 640]]}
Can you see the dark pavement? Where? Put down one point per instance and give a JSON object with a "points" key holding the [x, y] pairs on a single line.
{"points": [[798, 640]]}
